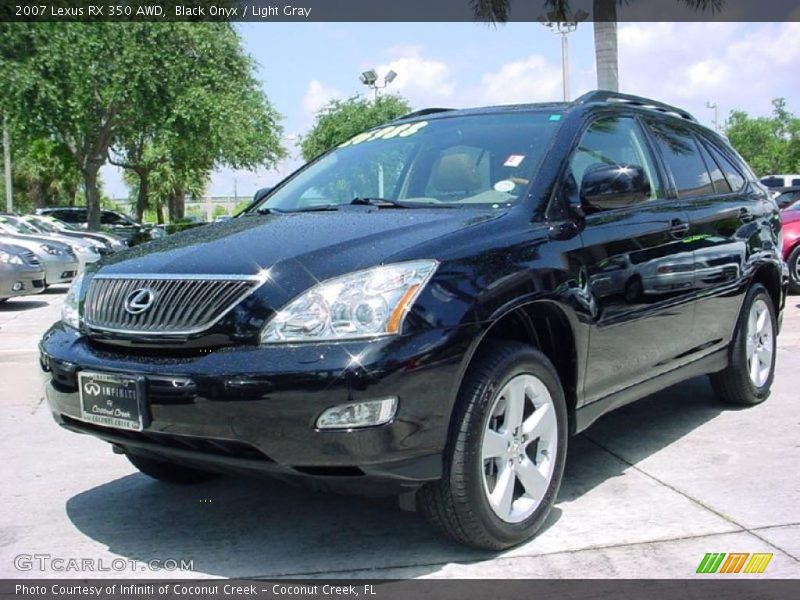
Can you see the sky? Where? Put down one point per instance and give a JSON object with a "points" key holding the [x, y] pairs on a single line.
{"points": [[304, 65]]}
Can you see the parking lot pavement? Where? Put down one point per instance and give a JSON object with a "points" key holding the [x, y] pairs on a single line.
{"points": [[648, 491]]}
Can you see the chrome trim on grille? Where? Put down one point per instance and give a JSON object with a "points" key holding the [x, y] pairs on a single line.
{"points": [[214, 297]]}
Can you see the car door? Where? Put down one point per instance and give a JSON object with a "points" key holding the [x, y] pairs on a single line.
{"points": [[634, 261], [724, 228]]}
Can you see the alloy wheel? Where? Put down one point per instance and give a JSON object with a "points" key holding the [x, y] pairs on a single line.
{"points": [[760, 341], [518, 450]]}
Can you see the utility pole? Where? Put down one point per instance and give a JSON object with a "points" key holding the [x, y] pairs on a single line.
{"points": [[7, 164], [715, 107], [563, 24]]}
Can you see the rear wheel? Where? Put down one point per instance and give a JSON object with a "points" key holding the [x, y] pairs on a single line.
{"points": [[748, 377], [505, 459], [794, 270], [169, 472]]}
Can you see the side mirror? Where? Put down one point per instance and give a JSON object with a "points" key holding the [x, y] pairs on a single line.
{"points": [[614, 186]]}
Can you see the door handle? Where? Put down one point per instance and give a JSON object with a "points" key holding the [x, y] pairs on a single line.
{"points": [[678, 227], [745, 215]]}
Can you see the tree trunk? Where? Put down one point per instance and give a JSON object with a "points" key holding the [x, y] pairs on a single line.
{"points": [[38, 193], [180, 205], [160, 213], [72, 192], [141, 199], [92, 196], [605, 44]]}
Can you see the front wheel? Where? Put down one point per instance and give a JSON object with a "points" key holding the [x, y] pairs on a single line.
{"points": [[751, 367], [505, 459]]}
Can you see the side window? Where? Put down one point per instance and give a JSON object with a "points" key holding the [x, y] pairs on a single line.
{"points": [[682, 157], [732, 174], [611, 141], [721, 185], [110, 218], [70, 216]]}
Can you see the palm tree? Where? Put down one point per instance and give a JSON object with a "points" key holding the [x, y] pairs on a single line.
{"points": [[605, 28]]}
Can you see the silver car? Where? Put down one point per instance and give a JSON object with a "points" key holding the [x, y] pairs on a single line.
{"points": [[21, 272], [45, 224], [57, 259], [86, 251]]}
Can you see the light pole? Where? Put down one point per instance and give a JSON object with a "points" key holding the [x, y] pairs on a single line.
{"points": [[370, 79], [715, 107], [563, 24], [7, 165]]}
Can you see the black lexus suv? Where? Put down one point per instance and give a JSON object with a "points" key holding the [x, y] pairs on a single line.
{"points": [[433, 308]]}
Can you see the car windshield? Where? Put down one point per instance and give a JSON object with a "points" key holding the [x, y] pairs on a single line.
{"points": [[14, 225], [795, 206], [42, 225], [477, 160]]}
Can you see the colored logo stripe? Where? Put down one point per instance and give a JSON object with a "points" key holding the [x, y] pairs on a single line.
{"points": [[758, 563], [713, 562]]}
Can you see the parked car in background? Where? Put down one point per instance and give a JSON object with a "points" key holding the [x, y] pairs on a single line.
{"points": [[790, 220], [21, 273], [86, 251], [45, 224], [57, 259], [112, 221], [781, 181], [413, 313], [787, 197], [222, 218]]}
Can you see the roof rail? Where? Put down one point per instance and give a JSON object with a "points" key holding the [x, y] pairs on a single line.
{"points": [[616, 97], [423, 112]]}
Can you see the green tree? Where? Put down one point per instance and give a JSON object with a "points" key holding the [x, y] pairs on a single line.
{"points": [[769, 144], [215, 113], [340, 120], [604, 14], [96, 86]]}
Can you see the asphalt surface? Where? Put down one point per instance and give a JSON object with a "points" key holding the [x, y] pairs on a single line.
{"points": [[648, 491]]}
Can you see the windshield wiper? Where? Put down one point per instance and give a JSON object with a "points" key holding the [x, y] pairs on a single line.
{"points": [[379, 202]]}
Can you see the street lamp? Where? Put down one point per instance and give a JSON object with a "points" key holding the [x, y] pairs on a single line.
{"points": [[370, 79], [715, 107], [562, 23]]}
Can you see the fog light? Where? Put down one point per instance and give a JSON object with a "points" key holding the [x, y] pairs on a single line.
{"points": [[17, 287], [358, 414]]}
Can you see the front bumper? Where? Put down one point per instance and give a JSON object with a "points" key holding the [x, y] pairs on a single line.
{"points": [[59, 268], [27, 281], [254, 409]]}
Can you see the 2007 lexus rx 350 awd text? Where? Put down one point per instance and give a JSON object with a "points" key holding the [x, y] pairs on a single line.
{"points": [[433, 308]]}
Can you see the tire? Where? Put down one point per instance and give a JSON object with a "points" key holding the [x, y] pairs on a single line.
{"points": [[794, 270], [634, 290], [169, 472], [741, 382], [459, 505]]}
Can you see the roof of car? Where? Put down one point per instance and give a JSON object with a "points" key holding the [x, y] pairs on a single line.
{"points": [[594, 98]]}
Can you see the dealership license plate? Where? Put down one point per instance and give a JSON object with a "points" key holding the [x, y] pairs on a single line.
{"points": [[112, 400]]}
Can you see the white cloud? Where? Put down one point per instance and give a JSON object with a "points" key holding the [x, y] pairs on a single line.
{"points": [[318, 95], [418, 77], [533, 79], [736, 65]]}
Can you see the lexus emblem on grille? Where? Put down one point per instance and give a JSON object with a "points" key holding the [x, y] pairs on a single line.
{"points": [[139, 301]]}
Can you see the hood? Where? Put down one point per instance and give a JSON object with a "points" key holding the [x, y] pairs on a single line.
{"points": [[324, 244], [790, 216], [25, 240]]}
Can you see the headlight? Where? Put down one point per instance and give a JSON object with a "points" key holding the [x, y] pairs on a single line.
{"points": [[363, 304], [70, 310], [50, 249], [10, 259]]}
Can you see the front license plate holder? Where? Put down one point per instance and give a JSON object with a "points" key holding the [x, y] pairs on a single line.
{"points": [[113, 400]]}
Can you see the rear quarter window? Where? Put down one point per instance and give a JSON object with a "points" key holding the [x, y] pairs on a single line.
{"points": [[735, 178], [682, 158]]}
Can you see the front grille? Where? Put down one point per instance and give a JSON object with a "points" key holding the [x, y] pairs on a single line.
{"points": [[30, 259], [175, 305]]}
